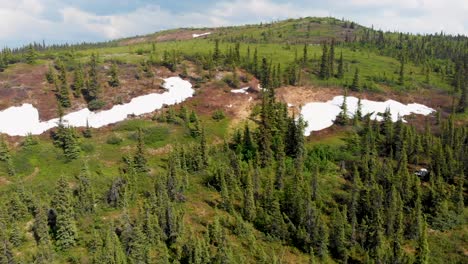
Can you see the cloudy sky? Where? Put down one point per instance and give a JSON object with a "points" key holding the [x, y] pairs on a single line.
{"points": [[24, 21]]}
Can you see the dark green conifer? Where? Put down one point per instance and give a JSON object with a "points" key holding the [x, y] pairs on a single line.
{"points": [[84, 192], [340, 73], [324, 65], [422, 249], [139, 160], [338, 237], [331, 59], [65, 227], [401, 77], [114, 76], [41, 227], [355, 86]]}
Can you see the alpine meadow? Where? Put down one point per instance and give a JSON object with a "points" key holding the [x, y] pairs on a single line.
{"points": [[305, 140]]}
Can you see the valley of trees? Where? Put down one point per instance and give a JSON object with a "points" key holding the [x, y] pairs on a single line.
{"points": [[388, 193]]}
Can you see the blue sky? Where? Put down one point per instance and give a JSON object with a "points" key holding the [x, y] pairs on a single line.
{"points": [[24, 21]]}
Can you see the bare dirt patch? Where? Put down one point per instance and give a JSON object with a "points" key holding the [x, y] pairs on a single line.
{"points": [[179, 34], [23, 83]]}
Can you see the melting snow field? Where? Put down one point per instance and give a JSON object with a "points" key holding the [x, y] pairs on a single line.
{"points": [[19, 121], [241, 90], [201, 35], [320, 115]]}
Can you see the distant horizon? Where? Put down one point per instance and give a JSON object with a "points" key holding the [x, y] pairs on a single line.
{"points": [[78, 42], [75, 21]]}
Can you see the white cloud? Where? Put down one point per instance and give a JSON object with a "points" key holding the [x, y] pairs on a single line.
{"points": [[424, 16], [23, 21]]}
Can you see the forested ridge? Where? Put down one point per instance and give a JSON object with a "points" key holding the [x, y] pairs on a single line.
{"points": [[191, 185]]}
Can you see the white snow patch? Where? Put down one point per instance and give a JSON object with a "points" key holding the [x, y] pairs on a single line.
{"points": [[229, 106], [320, 115], [241, 90], [290, 105], [250, 98], [201, 35], [19, 121]]}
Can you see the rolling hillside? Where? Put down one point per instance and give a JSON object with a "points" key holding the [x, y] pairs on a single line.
{"points": [[228, 177]]}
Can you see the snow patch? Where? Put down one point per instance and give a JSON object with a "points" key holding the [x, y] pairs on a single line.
{"points": [[19, 121], [201, 35], [320, 115], [241, 90]]}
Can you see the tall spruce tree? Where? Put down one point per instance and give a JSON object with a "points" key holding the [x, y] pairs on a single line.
{"points": [[401, 76], [355, 86], [324, 72], [340, 73], [65, 229], [304, 55], [40, 226], [139, 160], [331, 59], [84, 191], [114, 76], [338, 237], [422, 250], [93, 89], [63, 92], [79, 81]]}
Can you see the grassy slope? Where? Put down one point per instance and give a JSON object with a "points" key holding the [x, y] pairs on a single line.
{"points": [[39, 167]]}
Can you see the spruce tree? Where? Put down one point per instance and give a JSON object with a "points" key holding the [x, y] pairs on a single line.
{"points": [[40, 226], [16, 207], [337, 236], [114, 76], [340, 73], [331, 59], [355, 86], [63, 92], [65, 227], [6, 252], [203, 148], [51, 75], [248, 144], [401, 77], [138, 246], [66, 138], [249, 208], [93, 91], [422, 250], [87, 133], [226, 201], [31, 54], [216, 52], [324, 65], [79, 81], [358, 114], [84, 192], [342, 118], [255, 63], [321, 240], [304, 55], [139, 160], [4, 151], [265, 74], [463, 103]]}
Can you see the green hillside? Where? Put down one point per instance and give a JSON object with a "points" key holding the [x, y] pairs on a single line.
{"points": [[201, 182]]}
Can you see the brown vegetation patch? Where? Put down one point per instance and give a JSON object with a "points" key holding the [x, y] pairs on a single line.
{"points": [[4, 181], [26, 84]]}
